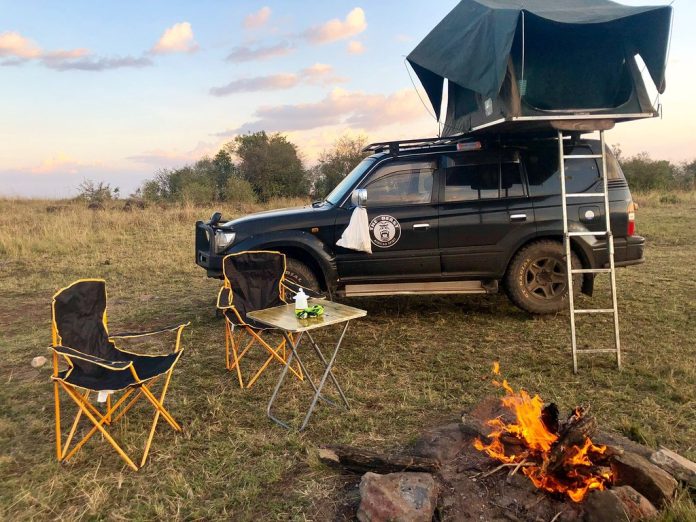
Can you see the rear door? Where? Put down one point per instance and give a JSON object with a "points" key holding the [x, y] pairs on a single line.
{"points": [[484, 213], [403, 224]]}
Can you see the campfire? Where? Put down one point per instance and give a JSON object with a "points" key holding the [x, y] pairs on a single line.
{"points": [[557, 456]]}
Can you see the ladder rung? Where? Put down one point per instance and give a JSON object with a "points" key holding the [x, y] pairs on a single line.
{"points": [[583, 156], [581, 234], [605, 350], [586, 195], [595, 311], [591, 271]]}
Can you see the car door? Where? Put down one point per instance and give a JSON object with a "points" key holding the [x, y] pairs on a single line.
{"points": [[403, 223], [484, 211]]}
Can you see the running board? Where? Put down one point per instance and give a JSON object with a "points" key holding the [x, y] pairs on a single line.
{"points": [[444, 287]]}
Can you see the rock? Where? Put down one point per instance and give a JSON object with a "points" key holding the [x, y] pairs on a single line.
{"points": [[442, 443], [655, 484], [604, 506], [637, 507], [402, 497], [679, 467], [619, 441], [38, 362]]}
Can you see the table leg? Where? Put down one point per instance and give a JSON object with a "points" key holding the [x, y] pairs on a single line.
{"points": [[333, 377], [288, 361], [317, 393]]}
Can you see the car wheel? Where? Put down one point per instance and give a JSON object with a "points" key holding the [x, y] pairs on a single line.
{"points": [[300, 274], [536, 280]]}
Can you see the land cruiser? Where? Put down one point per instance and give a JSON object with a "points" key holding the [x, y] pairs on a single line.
{"points": [[450, 215]]}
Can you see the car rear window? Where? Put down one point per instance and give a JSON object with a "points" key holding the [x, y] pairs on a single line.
{"points": [[543, 176]]}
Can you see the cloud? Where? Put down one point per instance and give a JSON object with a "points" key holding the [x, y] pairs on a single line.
{"points": [[248, 54], [175, 158], [356, 110], [60, 163], [96, 63], [18, 50], [273, 82], [176, 39], [257, 19], [336, 29], [355, 47], [317, 74], [14, 45]]}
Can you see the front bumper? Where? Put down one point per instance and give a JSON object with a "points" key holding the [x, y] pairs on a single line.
{"points": [[206, 257]]}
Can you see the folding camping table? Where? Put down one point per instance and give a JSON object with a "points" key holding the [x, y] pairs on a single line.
{"points": [[283, 318]]}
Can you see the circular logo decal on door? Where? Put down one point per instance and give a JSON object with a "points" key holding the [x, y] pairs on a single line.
{"points": [[385, 231]]}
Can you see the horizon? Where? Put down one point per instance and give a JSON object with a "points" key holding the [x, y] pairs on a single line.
{"points": [[162, 84]]}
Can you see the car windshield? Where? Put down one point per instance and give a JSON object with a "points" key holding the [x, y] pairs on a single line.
{"points": [[336, 194]]}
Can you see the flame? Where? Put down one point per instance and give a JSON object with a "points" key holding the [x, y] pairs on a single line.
{"points": [[577, 476]]}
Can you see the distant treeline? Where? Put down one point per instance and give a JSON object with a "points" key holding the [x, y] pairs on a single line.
{"points": [[258, 167]]}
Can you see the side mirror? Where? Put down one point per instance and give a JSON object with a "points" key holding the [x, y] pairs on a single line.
{"points": [[215, 219], [359, 197]]}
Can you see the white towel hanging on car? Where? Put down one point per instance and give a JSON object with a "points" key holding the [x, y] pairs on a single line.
{"points": [[356, 236]]}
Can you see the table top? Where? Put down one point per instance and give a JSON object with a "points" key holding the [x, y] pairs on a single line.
{"points": [[284, 317]]}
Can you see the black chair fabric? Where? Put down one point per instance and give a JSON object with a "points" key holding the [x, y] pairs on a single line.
{"points": [[78, 312], [255, 283]]}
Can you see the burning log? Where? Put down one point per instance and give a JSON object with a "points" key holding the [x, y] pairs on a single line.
{"points": [[572, 436]]}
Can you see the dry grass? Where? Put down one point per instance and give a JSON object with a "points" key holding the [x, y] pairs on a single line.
{"points": [[411, 363]]}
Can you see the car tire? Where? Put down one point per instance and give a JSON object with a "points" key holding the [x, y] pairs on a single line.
{"points": [[300, 274], [536, 279]]}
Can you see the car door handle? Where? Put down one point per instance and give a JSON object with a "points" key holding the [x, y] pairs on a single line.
{"points": [[421, 226], [518, 217]]}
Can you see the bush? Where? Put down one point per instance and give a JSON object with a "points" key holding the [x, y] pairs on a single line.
{"points": [[669, 199], [95, 194], [239, 191]]}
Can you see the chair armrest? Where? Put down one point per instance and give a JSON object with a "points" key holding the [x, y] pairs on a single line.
{"points": [[153, 332], [71, 353], [224, 299]]}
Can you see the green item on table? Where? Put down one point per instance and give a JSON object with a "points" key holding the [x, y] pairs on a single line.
{"points": [[312, 311]]}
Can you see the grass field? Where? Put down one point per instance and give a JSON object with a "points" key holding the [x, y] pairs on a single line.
{"points": [[411, 363]]}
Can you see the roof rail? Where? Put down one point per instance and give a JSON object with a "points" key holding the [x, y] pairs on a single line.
{"points": [[393, 147]]}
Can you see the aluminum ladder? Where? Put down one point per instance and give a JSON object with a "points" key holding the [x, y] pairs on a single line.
{"points": [[567, 237]]}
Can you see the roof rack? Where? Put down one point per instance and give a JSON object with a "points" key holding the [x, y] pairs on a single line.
{"points": [[393, 147]]}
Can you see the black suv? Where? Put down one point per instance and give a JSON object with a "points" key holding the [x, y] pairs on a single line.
{"points": [[447, 217]]}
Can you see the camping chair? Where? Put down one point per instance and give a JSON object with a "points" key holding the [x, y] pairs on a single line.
{"points": [[254, 280], [95, 364]]}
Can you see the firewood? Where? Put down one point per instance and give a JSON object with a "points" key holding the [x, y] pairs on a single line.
{"points": [[572, 433], [361, 461]]}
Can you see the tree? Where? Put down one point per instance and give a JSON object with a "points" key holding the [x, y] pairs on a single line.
{"points": [[96, 193], [336, 163], [644, 173], [271, 164]]}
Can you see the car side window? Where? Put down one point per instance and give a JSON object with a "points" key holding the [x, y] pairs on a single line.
{"points": [[483, 181], [472, 182], [401, 184], [543, 175]]}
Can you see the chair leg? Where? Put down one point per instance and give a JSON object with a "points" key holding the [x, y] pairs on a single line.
{"points": [[102, 421], [154, 422], [56, 399], [229, 333], [74, 427], [158, 406], [98, 425], [274, 353]]}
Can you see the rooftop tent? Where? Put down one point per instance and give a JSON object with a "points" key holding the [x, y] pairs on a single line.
{"points": [[535, 61]]}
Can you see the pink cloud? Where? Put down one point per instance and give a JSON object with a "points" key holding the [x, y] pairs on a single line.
{"points": [[176, 39], [258, 18], [14, 45], [248, 54], [336, 29], [357, 110], [355, 47], [317, 74]]}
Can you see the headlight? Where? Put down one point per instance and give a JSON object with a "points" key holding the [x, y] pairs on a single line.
{"points": [[223, 239]]}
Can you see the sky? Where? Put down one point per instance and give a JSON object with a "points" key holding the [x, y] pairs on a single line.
{"points": [[115, 91]]}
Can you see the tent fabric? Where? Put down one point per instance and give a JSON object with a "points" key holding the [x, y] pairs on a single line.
{"points": [[472, 45]]}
